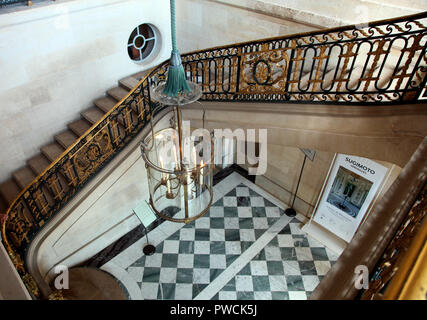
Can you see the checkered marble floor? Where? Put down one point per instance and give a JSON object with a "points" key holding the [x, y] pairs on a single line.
{"points": [[289, 267], [245, 247]]}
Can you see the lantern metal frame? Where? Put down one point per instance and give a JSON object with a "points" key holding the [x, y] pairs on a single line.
{"points": [[194, 179]]}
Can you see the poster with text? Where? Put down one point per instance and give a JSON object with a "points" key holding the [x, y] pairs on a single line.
{"points": [[350, 189]]}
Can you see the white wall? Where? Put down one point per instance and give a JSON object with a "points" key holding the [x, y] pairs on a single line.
{"points": [[327, 13], [56, 58], [209, 23], [202, 24]]}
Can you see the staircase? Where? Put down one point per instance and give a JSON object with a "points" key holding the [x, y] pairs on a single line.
{"points": [[22, 177], [340, 68]]}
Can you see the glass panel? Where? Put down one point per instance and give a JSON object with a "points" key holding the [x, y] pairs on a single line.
{"points": [[180, 184]]}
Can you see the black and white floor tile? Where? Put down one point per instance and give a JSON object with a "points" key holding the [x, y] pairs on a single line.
{"points": [[289, 267], [245, 247]]}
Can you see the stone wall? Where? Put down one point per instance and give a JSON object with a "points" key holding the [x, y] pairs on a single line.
{"points": [[204, 24], [388, 135], [328, 14]]}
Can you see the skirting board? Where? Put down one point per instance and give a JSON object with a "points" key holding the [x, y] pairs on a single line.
{"points": [[325, 237]]}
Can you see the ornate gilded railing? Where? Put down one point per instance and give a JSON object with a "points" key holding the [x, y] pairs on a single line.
{"points": [[53, 188], [405, 254], [382, 63]]}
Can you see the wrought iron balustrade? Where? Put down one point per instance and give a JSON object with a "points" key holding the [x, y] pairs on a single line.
{"points": [[53, 188], [382, 63], [400, 253]]}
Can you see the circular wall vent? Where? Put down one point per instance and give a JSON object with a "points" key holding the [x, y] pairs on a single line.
{"points": [[142, 42]]}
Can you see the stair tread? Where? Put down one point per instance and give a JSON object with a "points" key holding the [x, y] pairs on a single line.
{"points": [[52, 151], [138, 76], [79, 127], [66, 138], [9, 190], [38, 163], [23, 176], [118, 93], [105, 103], [129, 82], [93, 115]]}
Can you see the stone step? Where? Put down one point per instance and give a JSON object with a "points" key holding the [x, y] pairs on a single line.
{"points": [[93, 115], [66, 138], [23, 177], [118, 93], [3, 205], [105, 103], [57, 184], [52, 151], [129, 82], [38, 163], [79, 127], [9, 190], [138, 76]]}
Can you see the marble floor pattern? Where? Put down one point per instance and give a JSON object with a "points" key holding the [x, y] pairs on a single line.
{"points": [[244, 248]]}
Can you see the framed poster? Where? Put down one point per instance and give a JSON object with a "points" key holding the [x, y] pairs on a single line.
{"points": [[352, 185]]}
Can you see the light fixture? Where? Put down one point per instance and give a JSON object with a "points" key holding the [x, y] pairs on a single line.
{"points": [[179, 168]]}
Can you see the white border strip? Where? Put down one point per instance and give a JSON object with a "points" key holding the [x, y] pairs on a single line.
{"points": [[127, 281], [243, 260]]}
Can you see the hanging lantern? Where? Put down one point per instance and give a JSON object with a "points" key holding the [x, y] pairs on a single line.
{"points": [[179, 169]]}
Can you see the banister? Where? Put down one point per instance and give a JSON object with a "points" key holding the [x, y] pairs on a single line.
{"points": [[16, 259], [267, 70]]}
